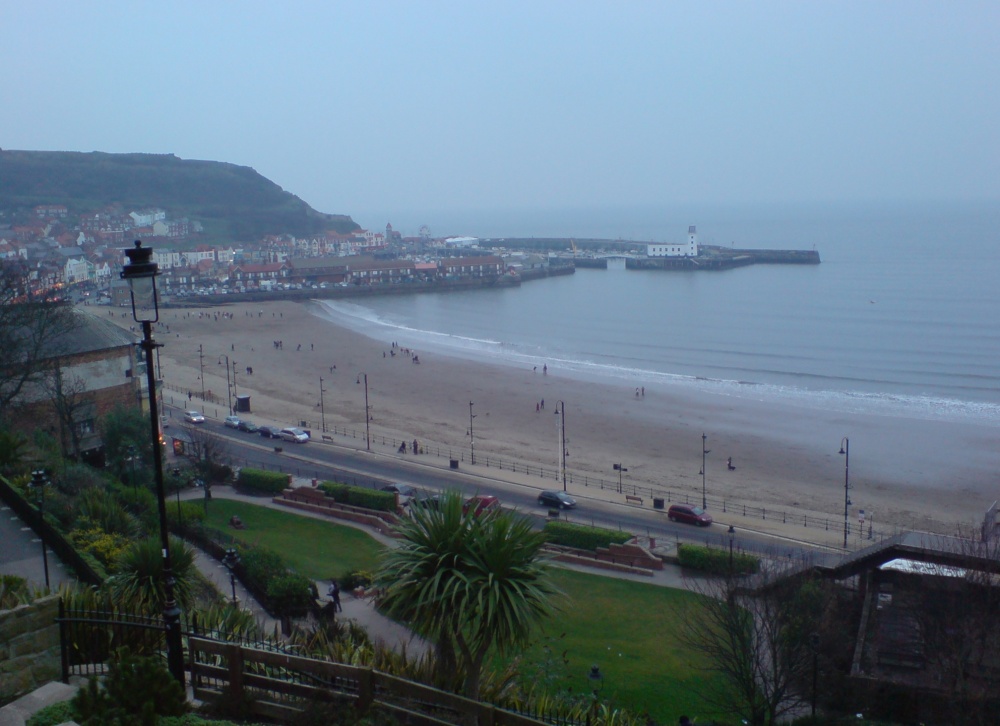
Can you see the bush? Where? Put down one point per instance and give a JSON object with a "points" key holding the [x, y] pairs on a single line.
{"points": [[258, 481], [583, 537], [715, 561], [192, 513], [359, 496], [14, 591], [106, 547], [290, 592]]}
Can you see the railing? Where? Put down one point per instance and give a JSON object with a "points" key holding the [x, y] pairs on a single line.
{"points": [[856, 532]]}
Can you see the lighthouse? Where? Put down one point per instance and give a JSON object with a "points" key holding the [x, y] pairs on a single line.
{"points": [[692, 243]]}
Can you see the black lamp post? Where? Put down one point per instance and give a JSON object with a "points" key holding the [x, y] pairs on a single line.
{"points": [[845, 449], [232, 559], [732, 536], [368, 418], [37, 484], [814, 645], [704, 452], [561, 413], [140, 273], [322, 408], [472, 436], [619, 468], [596, 679], [131, 458]]}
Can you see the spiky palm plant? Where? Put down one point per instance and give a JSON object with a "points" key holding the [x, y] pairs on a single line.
{"points": [[469, 583], [139, 585]]}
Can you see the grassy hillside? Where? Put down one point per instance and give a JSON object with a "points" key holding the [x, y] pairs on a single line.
{"points": [[234, 201]]}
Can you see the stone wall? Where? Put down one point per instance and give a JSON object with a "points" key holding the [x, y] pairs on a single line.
{"points": [[29, 647]]}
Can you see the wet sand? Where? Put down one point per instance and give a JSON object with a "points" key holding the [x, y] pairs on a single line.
{"points": [[910, 473]]}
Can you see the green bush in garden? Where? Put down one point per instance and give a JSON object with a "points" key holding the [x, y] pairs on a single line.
{"points": [[191, 513], [258, 481], [291, 591], [583, 537], [715, 561], [359, 496]]}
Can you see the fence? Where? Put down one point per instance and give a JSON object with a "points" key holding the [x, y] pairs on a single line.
{"points": [[276, 681], [856, 531]]}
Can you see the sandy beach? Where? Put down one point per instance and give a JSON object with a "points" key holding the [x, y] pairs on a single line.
{"points": [[911, 473]]}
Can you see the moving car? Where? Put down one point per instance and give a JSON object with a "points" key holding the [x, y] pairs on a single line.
{"points": [[269, 432], [194, 417], [249, 426], [295, 435], [232, 422], [480, 504], [556, 500], [689, 514]]}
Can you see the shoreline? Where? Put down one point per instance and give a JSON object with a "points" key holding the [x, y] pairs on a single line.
{"points": [[913, 474]]}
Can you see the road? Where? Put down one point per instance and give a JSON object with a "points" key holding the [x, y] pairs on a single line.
{"points": [[342, 461]]}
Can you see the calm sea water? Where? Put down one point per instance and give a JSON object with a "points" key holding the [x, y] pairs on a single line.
{"points": [[900, 318]]}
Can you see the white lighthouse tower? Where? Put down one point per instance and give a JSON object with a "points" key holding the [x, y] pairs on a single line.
{"points": [[692, 242]]}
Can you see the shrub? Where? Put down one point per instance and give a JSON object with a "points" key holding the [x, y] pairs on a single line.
{"points": [[192, 513], [715, 561], [583, 537], [106, 547], [14, 591], [137, 690], [291, 591], [359, 496], [258, 481]]}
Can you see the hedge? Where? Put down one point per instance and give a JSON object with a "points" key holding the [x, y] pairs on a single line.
{"points": [[715, 561], [359, 496], [583, 537], [258, 481]]}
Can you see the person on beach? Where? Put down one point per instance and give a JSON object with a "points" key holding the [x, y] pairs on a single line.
{"points": [[416, 450]]}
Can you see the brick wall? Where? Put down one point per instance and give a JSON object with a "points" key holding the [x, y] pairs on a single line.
{"points": [[29, 647]]}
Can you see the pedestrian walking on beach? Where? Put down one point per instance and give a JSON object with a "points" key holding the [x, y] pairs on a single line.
{"points": [[416, 449]]}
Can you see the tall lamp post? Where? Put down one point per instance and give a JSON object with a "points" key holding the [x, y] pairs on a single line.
{"points": [[232, 559], [732, 536], [472, 436], [140, 274], [131, 458], [322, 408], [37, 484], [368, 417], [704, 452], [619, 468], [845, 449], [561, 413]]}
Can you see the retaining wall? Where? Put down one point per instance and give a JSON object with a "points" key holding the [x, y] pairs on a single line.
{"points": [[29, 647]]}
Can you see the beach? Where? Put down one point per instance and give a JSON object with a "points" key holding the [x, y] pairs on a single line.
{"points": [[907, 473]]}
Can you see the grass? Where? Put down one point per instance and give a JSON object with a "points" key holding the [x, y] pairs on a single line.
{"points": [[315, 548], [626, 628]]}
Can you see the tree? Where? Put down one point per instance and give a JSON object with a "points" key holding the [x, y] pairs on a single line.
{"points": [[70, 404], [754, 633], [209, 452], [31, 326], [468, 583]]}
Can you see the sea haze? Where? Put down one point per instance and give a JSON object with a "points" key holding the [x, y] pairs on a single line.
{"points": [[900, 318]]}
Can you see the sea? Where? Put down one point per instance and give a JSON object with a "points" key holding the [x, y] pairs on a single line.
{"points": [[900, 318]]}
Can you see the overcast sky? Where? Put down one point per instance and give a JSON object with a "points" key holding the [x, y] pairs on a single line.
{"points": [[366, 108]]}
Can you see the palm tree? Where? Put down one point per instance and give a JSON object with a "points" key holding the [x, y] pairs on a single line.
{"points": [[469, 583], [139, 586]]}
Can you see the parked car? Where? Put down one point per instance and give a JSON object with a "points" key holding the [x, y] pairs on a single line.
{"points": [[295, 435], [481, 503], [689, 514], [269, 432], [427, 501], [194, 417], [232, 422], [556, 500], [249, 426], [403, 490]]}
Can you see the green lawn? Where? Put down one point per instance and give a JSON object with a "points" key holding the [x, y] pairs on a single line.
{"points": [[316, 548], [626, 628]]}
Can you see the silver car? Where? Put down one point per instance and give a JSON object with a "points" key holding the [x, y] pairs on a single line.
{"points": [[295, 435]]}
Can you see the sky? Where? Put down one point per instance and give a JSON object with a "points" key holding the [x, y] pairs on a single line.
{"points": [[376, 109]]}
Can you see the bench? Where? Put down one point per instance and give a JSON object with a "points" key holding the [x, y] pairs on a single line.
{"points": [[633, 500]]}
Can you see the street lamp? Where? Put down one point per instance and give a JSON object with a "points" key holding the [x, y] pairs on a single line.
{"points": [[322, 408], [232, 559], [704, 452], [472, 435], [596, 679], [619, 468], [732, 536], [131, 458], [140, 274], [37, 484], [845, 449], [814, 645], [368, 418], [561, 412]]}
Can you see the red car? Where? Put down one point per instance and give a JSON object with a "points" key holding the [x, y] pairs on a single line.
{"points": [[689, 515], [481, 503]]}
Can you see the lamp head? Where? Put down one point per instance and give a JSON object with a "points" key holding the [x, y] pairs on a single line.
{"points": [[595, 674], [140, 274]]}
